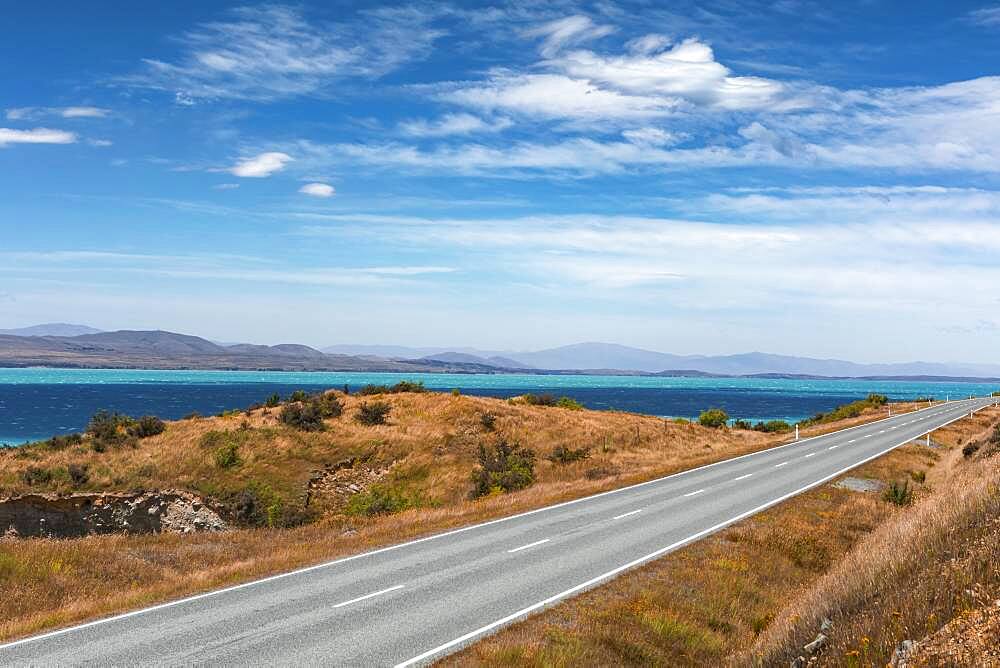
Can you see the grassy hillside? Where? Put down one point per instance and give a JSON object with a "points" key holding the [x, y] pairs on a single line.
{"points": [[289, 481]]}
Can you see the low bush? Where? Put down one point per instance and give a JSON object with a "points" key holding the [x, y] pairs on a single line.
{"points": [[374, 413], [571, 404], [78, 474], [540, 399], [898, 493], [273, 401], [109, 427], [564, 455], [227, 455], [742, 424], [379, 500], [714, 418], [257, 505], [146, 426], [35, 475], [970, 448], [304, 417], [488, 421], [504, 468], [846, 411], [918, 476], [298, 395], [773, 427], [399, 388]]}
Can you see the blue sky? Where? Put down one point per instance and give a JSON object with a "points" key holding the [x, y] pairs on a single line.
{"points": [[705, 178]]}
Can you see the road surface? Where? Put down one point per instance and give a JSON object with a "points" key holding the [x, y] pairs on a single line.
{"points": [[411, 603]]}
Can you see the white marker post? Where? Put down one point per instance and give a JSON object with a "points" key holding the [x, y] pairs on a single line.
{"points": [[796, 432]]}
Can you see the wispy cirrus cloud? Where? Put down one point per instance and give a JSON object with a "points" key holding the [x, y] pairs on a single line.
{"points": [[29, 113], [987, 16], [271, 52]]}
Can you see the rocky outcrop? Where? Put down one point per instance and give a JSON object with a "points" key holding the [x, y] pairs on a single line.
{"points": [[74, 515], [336, 483]]}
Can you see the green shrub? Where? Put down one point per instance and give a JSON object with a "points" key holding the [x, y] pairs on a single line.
{"points": [[35, 475], [742, 424], [898, 493], [773, 427], [563, 455], [540, 399], [399, 388], [298, 395], [373, 413], [504, 468], [227, 455], [146, 426], [328, 405], [78, 474], [970, 448], [273, 401], [488, 421], [877, 399], [571, 404], [918, 476], [305, 417], [714, 418], [846, 411], [257, 505], [379, 500], [107, 426]]}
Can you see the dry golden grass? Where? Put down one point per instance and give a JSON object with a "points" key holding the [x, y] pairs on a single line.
{"points": [[715, 602], [429, 443]]}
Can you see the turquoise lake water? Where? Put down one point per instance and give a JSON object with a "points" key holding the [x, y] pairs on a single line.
{"points": [[37, 403]]}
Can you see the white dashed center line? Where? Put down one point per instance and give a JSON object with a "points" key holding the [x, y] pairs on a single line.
{"points": [[697, 491], [834, 447], [525, 547], [618, 517], [367, 596], [780, 465], [743, 477], [811, 454]]}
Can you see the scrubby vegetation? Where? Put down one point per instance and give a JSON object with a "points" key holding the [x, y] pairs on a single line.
{"points": [[379, 500], [898, 492], [309, 413], [548, 400], [714, 418], [373, 413], [504, 468], [565, 455], [769, 427], [402, 386], [847, 411]]}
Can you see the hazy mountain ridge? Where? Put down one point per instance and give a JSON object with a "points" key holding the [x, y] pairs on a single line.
{"points": [[51, 329], [162, 349]]}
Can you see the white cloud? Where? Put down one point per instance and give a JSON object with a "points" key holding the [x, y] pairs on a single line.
{"points": [[225, 186], [567, 31], [26, 113], [317, 190], [35, 136], [651, 136], [987, 16], [453, 124], [272, 52], [261, 165], [100, 143], [83, 112]]}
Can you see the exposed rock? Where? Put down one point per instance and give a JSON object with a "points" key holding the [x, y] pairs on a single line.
{"points": [[826, 625], [816, 645], [798, 662], [74, 515], [860, 484], [335, 483], [902, 654]]}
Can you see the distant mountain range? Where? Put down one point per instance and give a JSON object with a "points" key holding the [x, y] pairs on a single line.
{"points": [[51, 329], [66, 345]]}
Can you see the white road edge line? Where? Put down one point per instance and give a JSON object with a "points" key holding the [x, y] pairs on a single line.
{"points": [[631, 512], [697, 491], [471, 635], [368, 596], [525, 547], [743, 477], [389, 548]]}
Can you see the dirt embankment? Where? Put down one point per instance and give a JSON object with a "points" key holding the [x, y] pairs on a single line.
{"points": [[75, 515]]}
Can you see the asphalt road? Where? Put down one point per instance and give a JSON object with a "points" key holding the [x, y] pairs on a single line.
{"points": [[411, 603]]}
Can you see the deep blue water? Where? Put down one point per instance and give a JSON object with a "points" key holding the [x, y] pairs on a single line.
{"points": [[37, 403]]}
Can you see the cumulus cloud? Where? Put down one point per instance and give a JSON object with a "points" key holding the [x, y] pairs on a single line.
{"points": [[317, 190], [273, 51], [261, 165], [35, 136], [987, 16]]}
